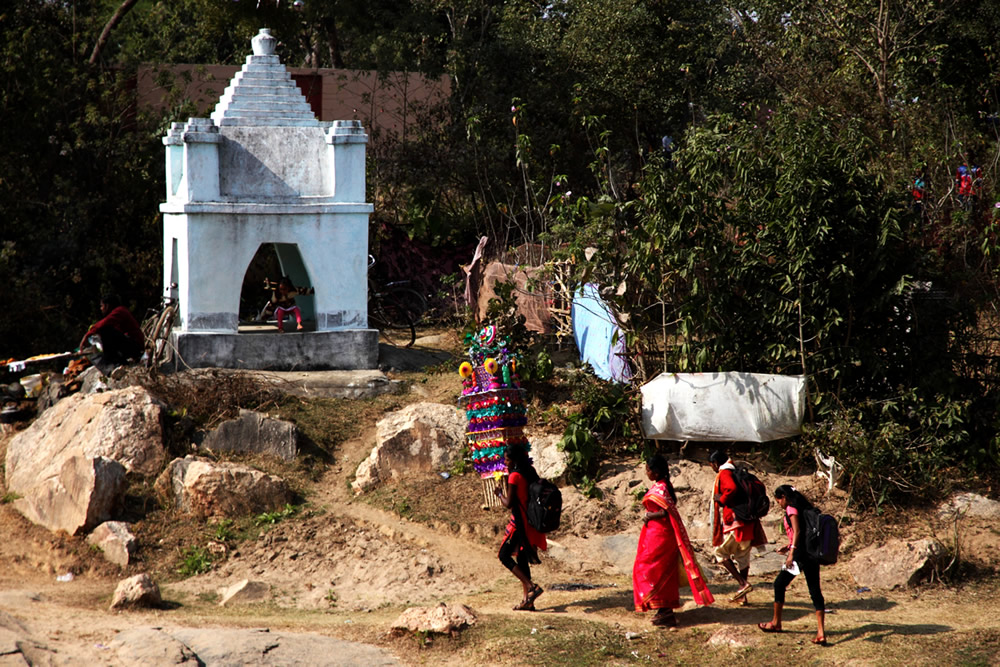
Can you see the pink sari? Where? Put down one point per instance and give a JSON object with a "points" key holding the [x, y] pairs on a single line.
{"points": [[664, 552]]}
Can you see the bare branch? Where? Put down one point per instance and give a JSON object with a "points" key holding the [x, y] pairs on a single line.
{"points": [[119, 14]]}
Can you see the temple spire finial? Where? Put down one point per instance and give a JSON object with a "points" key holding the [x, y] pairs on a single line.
{"points": [[263, 43]]}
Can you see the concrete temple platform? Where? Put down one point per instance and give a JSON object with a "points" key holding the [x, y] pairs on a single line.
{"points": [[353, 349], [316, 384]]}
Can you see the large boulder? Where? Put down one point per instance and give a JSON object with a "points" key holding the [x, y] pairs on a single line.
{"points": [[254, 433], [75, 497], [125, 425], [896, 564], [421, 438], [206, 488]]}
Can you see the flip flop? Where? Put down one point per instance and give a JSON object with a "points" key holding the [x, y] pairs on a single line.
{"points": [[767, 627], [819, 642]]}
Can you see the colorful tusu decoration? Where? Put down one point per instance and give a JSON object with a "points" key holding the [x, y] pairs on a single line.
{"points": [[494, 406]]}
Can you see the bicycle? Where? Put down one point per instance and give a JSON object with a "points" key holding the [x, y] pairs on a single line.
{"points": [[156, 328], [395, 309]]}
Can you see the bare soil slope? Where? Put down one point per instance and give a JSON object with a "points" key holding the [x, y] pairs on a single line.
{"points": [[346, 566]]}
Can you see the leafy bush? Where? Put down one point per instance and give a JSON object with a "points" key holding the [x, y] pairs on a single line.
{"points": [[904, 446], [195, 560]]}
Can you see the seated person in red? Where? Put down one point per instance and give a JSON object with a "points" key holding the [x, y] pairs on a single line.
{"points": [[120, 334]]}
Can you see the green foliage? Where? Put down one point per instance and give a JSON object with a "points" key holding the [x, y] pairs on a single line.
{"points": [[271, 518], [224, 530], [581, 446], [195, 560], [907, 446], [461, 464], [9, 497]]}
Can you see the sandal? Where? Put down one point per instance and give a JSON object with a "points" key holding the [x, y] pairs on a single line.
{"points": [[820, 641], [665, 620], [533, 594], [525, 605], [767, 627], [742, 593]]}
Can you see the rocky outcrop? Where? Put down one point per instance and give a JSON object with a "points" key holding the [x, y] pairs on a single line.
{"points": [[205, 488], [215, 647], [422, 438], [115, 541], [254, 433], [443, 619], [896, 564], [135, 592], [125, 425]]}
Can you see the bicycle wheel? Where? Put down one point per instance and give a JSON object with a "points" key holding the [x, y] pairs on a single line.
{"points": [[414, 300], [157, 343], [394, 319]]}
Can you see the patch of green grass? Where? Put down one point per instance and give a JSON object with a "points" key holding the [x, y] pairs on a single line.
{"points": [[9, 497], [271, 518], [224, 530], [195, 560]]}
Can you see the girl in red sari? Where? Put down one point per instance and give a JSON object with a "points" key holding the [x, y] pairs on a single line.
{"points": [[664, 552], [521, 541]]}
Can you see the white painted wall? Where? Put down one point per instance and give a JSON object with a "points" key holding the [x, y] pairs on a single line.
{"points": [[264, 170]]}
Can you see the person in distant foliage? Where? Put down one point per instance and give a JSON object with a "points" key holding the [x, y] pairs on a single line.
{"points": [[518, 551], [797, 560], [121, 336], [664, 551], [732, 538]]}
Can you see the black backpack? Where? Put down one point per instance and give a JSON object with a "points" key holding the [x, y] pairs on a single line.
{"points": [[544, 506], [822, 538], [754, 503]]}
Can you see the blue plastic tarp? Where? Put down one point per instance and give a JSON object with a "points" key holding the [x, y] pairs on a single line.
{"points": [[594, 330]]}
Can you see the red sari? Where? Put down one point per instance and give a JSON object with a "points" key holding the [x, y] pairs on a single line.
{"points": [[664, 552]]}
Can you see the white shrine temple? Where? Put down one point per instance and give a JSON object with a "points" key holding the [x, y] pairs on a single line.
{"points": [[263, 170]]}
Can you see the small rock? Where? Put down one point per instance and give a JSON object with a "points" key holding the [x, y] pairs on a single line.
{"points": [[137, 591]]}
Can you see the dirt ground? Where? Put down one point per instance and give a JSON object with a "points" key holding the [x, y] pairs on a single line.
{"points": [[346, 566]]}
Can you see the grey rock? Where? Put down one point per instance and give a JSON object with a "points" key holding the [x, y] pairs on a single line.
{"points": [[969, 504], [254, 433], [420, 438], [152, 646], [217, 647], [896, 564]]}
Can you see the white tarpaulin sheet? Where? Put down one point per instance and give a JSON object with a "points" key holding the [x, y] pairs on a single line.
{"points": [[723, 406]]}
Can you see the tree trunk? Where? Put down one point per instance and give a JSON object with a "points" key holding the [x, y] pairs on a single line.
{"points": [[119, 14]]}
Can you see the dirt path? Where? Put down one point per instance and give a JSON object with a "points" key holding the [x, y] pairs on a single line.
{"points": [[345, 569]]}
